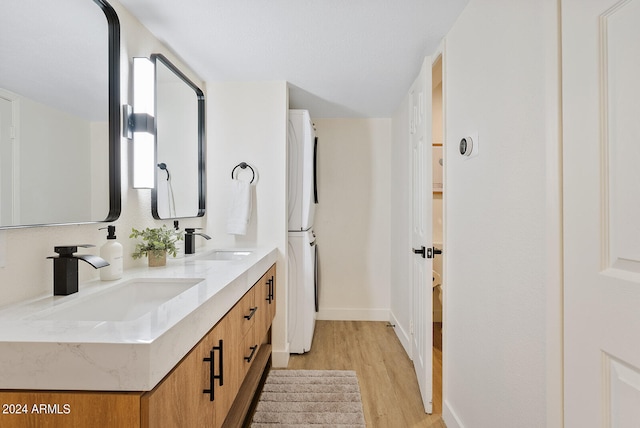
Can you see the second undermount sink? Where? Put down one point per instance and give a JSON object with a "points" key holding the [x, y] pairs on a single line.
{"points": [[125, 302], [225, 255]]}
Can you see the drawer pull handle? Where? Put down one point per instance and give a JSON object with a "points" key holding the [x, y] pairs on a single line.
{"points": [[212, 369], [253, 351], [251, 314]]}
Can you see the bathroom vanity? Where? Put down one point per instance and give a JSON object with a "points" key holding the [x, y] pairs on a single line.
{"points": [[184, 345]]}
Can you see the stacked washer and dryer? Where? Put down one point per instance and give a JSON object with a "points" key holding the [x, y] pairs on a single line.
{"points": [[302, 194]]}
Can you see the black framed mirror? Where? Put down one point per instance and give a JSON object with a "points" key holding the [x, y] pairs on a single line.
{"points": [[179, 190], [60, 101]]}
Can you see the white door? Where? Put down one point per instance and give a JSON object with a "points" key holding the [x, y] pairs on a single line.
{"points": [[421, 233], [601, 157]]}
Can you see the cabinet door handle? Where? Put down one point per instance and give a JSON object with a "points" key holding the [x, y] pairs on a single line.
{"points": [[270, 283], [212, 369], [251, 314], [220, 376], [253, 351]]}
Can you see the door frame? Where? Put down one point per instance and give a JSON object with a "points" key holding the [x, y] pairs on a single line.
{"points": [[554, 218]]}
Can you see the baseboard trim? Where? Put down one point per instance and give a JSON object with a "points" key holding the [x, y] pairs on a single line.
{"points": [[402, 334], [353, 314], [449, 417], [280, 358]]}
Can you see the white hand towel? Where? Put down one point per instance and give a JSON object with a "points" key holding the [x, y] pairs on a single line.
{"points": [[239, 212]]}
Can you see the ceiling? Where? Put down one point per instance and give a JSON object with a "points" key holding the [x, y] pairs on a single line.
{"points": [[342, 58]]}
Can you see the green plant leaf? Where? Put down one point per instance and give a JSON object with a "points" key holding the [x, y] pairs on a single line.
{"points": [[155, 239]]}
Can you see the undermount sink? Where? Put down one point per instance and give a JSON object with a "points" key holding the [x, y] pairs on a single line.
{"points": [[125, 302], [225, 255]]}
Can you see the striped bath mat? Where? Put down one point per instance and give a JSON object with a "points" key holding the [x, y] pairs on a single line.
{"points": [[310, 398]]}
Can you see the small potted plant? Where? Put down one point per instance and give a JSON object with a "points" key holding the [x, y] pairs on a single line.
{"points": [[156, 243]]}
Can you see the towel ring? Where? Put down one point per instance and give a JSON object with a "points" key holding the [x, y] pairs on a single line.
{"points": [[243, 165]]}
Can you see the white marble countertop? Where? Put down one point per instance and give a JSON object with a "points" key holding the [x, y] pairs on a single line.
{"points": [[134, 355]]}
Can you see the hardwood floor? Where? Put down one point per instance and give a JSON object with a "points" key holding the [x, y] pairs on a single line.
{"points": [[390, 395]]}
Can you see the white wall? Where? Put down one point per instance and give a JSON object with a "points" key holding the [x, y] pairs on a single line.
{"points": [[62, 142], [352, 221], [247, 122], [497, 79], [24, 270]]}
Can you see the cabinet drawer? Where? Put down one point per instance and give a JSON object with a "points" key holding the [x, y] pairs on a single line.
{"points": [[56, 409], [249, 350], [245, 312], [224, 335], [266, 302]]}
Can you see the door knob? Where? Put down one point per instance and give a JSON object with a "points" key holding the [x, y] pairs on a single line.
{"points": [[420, 250], [427, 253]]}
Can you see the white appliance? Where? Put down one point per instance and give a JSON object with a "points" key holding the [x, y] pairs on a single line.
{"points": [[303, 282], [302, 192], [302, 195]]}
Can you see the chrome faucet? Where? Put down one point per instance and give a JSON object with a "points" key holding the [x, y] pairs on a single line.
{"points": [[190, 241], [65, 267]]}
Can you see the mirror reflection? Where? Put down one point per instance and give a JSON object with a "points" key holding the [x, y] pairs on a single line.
{"points": [[55, 107], [179, 190]]}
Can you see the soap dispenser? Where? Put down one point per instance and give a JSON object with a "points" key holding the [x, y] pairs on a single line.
{"points": [[111, 251], [179, 243]]}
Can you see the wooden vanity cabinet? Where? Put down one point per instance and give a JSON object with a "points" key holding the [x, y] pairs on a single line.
{"points": [[255, 352], [184, 397], [230, 348]]}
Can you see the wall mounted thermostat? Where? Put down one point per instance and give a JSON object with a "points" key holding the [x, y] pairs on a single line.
{"points": [[469, 145], [466, 146]]}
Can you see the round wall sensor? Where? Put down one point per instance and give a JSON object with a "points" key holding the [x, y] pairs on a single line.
{"points": [[466, 146]]}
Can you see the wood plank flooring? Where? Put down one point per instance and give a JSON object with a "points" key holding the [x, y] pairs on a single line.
{"points": [[390, 395]]}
